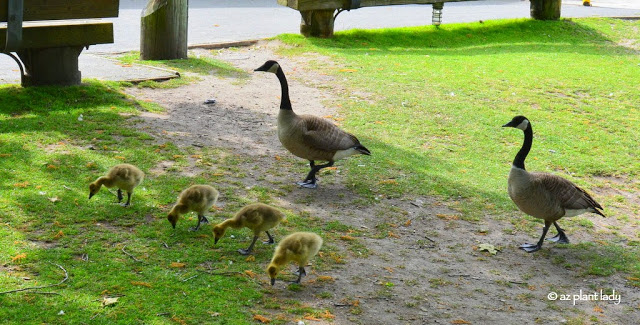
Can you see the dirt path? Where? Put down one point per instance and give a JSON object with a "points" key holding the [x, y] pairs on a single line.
{"points": [[426, 269]]}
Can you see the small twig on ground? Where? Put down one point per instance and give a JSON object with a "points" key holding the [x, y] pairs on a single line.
{"points": [[476, 278], [94, 316], [429, 239], [66, 277], [341, 305], [165, 245], [189, 278], [133, 257], [163, 314], [47, 293]]}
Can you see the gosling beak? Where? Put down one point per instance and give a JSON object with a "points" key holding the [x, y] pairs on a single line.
{"points": [[90, 196], [273, 281], [215, 241]]}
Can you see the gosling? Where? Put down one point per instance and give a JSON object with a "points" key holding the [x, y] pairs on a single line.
{"points": [[257, 217], [123, 176], [197, 198], [299, 247]]}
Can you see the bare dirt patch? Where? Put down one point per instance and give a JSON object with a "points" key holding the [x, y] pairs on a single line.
{"points": [[419, 262]]}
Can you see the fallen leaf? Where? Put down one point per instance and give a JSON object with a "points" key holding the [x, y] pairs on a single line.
{"points": [[388, 181], [141, 284], [250, 273], [328, 315], [630, 278], [310, 317], [54, 199], [196, 156], [389, 269], [378, 122], [277, 157], [251, 258], [125, 65], [392, 234], [331, 168], [597, 309], [488, 248], [91, 165], [218, 174], [19, 257], [408, 223], [459, 321], [261, 319], [5, 155], [347, 237], [326, 278], [177, 156], [447, 216], [58, 235], [120, 157], [348, 70], [177, 265], [109, 301], [23, 184]]}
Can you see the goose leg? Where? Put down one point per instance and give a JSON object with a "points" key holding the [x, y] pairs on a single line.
{"points": [[270, 241], [248, 250], [530, 248], [561, 237], [310, 181], [119, 195]]}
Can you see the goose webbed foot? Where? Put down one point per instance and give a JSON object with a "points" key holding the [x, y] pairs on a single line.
{"points": [[530, 248], [560, 238], [243, 251], [308, 183]]}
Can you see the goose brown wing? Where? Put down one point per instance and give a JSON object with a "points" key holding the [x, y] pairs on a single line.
{"points": [[321, 134], [570, 195]]}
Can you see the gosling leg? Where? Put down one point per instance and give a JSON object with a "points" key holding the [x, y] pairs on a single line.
{"points": [[301, 272], [248, 250], [120, 195], [201, 219], [530, 248], [128, 198], [561, 237], [270, 241]]}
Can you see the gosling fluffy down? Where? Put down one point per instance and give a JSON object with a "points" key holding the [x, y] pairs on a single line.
{"points": [[299, 247], [197, 198], [123, 176], [258, 217]]}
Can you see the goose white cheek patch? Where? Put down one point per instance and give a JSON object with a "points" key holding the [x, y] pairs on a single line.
{"points": [[523, 125], [274, 68]]}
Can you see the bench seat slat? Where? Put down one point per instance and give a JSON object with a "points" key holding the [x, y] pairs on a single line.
{"points": [[63, 9], [43, 34]]}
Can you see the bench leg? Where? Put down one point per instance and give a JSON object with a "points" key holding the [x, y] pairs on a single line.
{"points": [[317, 23], [51, 66]]}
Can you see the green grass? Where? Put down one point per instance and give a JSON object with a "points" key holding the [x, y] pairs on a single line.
{"points": [[429, 103], [47, 159]]}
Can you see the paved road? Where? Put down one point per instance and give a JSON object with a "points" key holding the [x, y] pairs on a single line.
{"points": [[219, 21]]}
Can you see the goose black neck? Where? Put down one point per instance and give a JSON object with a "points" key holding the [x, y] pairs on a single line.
{"points": [[526, 146], [285, 103]]}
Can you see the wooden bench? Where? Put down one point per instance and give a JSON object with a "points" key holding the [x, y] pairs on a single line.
{"points": [[318, 15], [48, 36]]}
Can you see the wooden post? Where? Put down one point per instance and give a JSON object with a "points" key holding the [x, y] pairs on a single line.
{"points": [[51, 66], [163, 30], [545, 9], [317, 23]]}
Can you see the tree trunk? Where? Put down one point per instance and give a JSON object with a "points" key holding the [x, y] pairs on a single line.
{"points": [[163, 30], [545, 9]]}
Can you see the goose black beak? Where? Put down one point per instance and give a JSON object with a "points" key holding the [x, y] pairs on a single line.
{"points": [[215, 241], [506, 125], [90, 195], [273, 281]]}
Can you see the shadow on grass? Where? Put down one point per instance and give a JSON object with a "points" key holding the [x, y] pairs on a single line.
{"points": [[511, 36]]}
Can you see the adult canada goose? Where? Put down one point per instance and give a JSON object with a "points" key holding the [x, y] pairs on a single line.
{"points": [[257, 217], [299, 247], [542, 195], [198, 198], [310, 137], [123, 176]]}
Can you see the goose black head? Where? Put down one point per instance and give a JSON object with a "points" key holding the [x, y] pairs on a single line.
{"points": [[269, 66], [518, 122]]}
